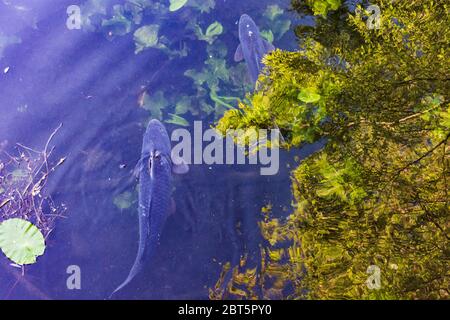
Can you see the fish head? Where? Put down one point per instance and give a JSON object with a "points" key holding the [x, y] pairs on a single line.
{"points": [[157, 149], [248, 30], [159, 164]]}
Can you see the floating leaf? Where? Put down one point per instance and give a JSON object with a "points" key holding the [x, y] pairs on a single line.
{"points": [[21, 241], [174, 119], [177, 4], [309, 95]]}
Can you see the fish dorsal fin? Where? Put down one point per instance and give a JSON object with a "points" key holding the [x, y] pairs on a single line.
{"points": [[268, 46], [179, 166], [239, 54]]}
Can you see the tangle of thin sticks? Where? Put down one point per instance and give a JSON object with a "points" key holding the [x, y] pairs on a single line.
{"points": [[22, 179]]}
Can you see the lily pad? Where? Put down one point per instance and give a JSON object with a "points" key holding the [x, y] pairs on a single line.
{"points": [[21, 241]]}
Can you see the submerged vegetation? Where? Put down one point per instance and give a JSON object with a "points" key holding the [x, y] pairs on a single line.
{"points": [[376, 197], [27, 215], [216, 85], [374, 202]]}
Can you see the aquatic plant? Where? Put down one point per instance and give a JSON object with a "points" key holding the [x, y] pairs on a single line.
{"points": [[177, 4], [217, 85], [21, 241], [214, 30], [27, 215], [276, 24], [376, 196]]}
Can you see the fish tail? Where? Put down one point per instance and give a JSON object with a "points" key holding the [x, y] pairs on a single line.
{"points": [[135, 269]]}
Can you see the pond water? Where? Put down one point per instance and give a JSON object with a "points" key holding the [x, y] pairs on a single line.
{"points": [[104, 84]]}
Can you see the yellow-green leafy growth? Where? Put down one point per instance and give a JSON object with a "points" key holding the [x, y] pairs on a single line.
{"points": [[378, 193]]}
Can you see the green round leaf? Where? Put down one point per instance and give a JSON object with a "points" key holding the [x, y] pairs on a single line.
{"points": [[21, 241]]}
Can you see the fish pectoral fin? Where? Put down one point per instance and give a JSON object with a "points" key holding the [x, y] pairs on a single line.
{"points": [[137, 169], [268, 46], [239, 54], [140, 166], [179, 166]]}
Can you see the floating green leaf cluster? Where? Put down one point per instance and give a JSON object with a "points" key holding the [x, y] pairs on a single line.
{"points": [[377, 193]]}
